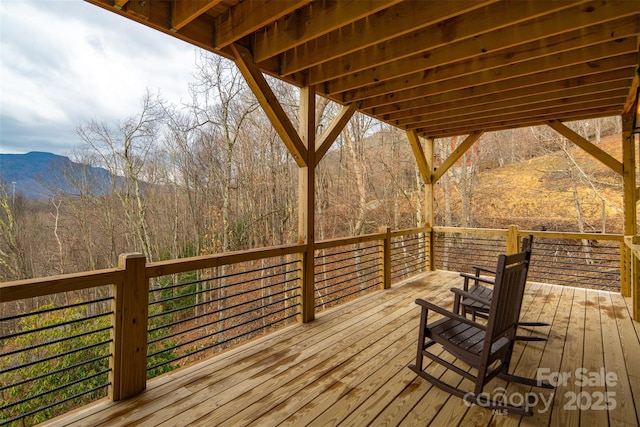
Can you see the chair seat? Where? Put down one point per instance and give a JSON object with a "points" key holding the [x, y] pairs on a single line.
{"points": [[466, 341]]}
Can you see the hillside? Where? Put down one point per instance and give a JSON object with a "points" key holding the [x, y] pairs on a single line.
{"points": [[539, 194]]}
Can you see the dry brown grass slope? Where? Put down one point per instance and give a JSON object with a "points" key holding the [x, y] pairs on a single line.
{"points": [[539, 193]]}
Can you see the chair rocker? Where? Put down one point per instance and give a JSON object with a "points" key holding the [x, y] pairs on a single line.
{"points": [[477, 308], [485, 347]]}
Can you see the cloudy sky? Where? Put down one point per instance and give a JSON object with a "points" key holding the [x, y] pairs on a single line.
{"points": [[65, 62]]}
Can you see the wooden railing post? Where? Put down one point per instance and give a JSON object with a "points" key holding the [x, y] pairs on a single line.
{"points": [[431, 248], [129, 333], [513, 244], [635, 281], [626, 256], [385, 258]]}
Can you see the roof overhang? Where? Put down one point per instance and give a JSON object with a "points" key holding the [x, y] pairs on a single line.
{"points": [[439, 68]]}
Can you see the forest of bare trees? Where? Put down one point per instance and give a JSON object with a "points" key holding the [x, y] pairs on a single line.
{"points": [[212, 175]]}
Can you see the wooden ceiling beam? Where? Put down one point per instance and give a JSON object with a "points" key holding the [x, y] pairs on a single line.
{"points": [[249, 16], [485, 94], [478, 31], [488, 63], [539, 116], [447, 77], [198, 32], [521, 103], [523, 111], [520, 115], [119, 4], [403, 18], [466, 88], [311, 22], [446, 132], [183, 12]]}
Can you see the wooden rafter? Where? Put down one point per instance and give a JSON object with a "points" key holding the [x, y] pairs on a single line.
{"points": [[480, 31], [469, 73], [404, 18], [421, 65], [522, 104], [482, 97], [595, 151], [250, 16], [184, 12], [270, 104], [516, 108], [583, 114], [309, 23]]}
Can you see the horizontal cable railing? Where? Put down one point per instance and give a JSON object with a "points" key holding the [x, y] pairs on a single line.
{"points": [[69, 340], [346, 269], [589, 263], [572, 259], [195, 314], [54, 354], [409, 254], [461, 251]]}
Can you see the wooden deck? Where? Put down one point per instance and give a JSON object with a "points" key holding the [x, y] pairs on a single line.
{"points": [[349, 367]]}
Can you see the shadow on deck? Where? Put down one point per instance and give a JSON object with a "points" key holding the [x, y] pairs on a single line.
{"points": [[348, 367]]}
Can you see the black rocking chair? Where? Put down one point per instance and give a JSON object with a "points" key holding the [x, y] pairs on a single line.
{"points": [[485, 347], [476, 285]]}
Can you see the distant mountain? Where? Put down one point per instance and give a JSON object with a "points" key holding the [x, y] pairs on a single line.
{"points": [[38, 175]]}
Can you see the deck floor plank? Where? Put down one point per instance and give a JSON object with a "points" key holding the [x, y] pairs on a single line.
{"points": [[531, 353], [572, 357], [630, 345], [348, 367], [614, 362], [593, 358]]}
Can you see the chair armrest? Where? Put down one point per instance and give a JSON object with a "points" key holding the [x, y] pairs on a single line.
{"points": [[479, 269], [470, 296], [430, 306], [477, 278]]}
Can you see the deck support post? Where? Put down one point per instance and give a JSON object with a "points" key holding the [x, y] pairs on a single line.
{"points": [[429, 203], [630, 196], [128, 375], [306, 200], [424, 160]]}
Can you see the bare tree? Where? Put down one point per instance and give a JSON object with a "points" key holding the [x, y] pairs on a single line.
{"points": [[124, 151]]}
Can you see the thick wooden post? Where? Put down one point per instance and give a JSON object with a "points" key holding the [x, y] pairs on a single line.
{"points": [[429, 204], [513, 245], [629, 182], [385, 258], [626, 257], [635, 281], [130, 319], [424, 161], [306, 200]]}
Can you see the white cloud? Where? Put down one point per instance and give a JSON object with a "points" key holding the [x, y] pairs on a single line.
{"points": [[63, 63]]}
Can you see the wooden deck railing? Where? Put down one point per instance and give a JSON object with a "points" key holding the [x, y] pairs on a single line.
{"points": [[154, 317], [575, 259]]}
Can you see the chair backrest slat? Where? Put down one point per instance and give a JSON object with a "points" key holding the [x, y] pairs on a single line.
{"points": [[506, 302]]}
